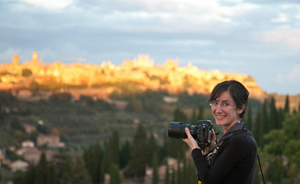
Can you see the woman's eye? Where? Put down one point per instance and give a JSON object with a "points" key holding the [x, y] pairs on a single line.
{"points": [[225, 104]]}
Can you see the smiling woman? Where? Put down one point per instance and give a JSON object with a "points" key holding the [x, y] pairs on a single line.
{"points": [[232, 159]]}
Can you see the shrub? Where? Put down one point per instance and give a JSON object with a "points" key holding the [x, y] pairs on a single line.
{"points": [[26, 72]]}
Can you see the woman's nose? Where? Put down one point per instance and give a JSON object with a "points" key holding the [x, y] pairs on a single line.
{"points": [[219, 108]]}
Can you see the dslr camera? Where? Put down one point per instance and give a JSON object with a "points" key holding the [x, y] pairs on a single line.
{"points": [[202, 132]]}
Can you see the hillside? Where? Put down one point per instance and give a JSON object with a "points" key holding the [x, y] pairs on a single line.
{"points": [[142, 72]]}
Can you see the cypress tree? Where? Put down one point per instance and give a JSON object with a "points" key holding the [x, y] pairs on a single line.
{"points": [[258, 129], [273, 115], [200, 113], [67, 172], [41, 170], [30, 174], [153, 148], [111, 154], [281, 117], [173, 179], [115, 147], [164, 147], [265, 118], [249, 122], [115, 177], [124, 155], [51, 174], [80, 174], [287, 105], [190, 175], [155, 176], [193, 118], [179, 172], [184, 172], [88, 159], [137, 165], [294, 111], [176, 146], [167, 175], [97, 156]]}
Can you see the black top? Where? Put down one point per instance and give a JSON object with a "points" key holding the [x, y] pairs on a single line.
{"points": [[232, 161]]}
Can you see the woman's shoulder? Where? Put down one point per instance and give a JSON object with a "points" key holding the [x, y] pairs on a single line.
{"points": [[242, 139]]}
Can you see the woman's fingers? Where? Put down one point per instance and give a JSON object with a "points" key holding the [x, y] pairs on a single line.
{"points": [[190, 140]]}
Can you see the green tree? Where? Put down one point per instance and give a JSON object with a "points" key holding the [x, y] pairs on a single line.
{"points": [[258, 129], [93, 157], [287, 105], [137, 165], [16, 125], [177, 147], [153, 148], [173, 179], [111, 154], [115, 177], [281, 151], [179, 171], [51, 174], [41, 170], [5, 98], [155, 176], [193, 118], [66, 177], [124, 155], [249, 122], [29, 175], [167, 175], [265, 117], [200, 115], [26, 72], [112, 149], [80, 174], [274, 121]]}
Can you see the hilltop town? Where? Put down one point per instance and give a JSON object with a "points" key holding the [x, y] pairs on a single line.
{"points": [[142, 71]]}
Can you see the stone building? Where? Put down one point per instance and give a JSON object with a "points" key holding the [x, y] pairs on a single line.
{"points": [[52, 141]]}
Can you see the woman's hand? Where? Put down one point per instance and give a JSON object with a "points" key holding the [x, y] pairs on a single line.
{"points": [[191, 142], [212, 143]]}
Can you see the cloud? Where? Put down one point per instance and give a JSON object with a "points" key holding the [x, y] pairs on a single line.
{"points": [[273, 1], [284, 36], [176, 42], [49, 4], [291, 77], [282, 17]]}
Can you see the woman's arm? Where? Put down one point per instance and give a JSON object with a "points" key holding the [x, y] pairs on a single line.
{"points": [[232, 159]]}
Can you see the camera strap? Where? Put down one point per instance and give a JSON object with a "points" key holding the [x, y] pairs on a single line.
{"points": [[262, 175]]}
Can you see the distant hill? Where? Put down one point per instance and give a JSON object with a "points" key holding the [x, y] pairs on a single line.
{"points": [[101, 81]]}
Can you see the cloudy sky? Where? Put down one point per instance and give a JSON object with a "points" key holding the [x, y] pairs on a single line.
{"points": [[259, 38]]}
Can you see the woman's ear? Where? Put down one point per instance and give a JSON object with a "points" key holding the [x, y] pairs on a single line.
{"points": [[241, 110]]}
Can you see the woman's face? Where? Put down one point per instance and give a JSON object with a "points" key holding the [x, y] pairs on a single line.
{"points": [[225, 111]]}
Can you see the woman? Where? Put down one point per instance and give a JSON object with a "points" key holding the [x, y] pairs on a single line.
{"points": [[232, 159]]}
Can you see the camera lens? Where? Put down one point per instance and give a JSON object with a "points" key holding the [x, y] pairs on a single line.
{"points": [[176, 130]]}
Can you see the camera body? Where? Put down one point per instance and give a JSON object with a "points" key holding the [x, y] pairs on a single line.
{"points": [[202, 132]]}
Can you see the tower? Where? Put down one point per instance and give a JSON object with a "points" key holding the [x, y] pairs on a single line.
{"points": [[34, 57], [16, 59]]}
